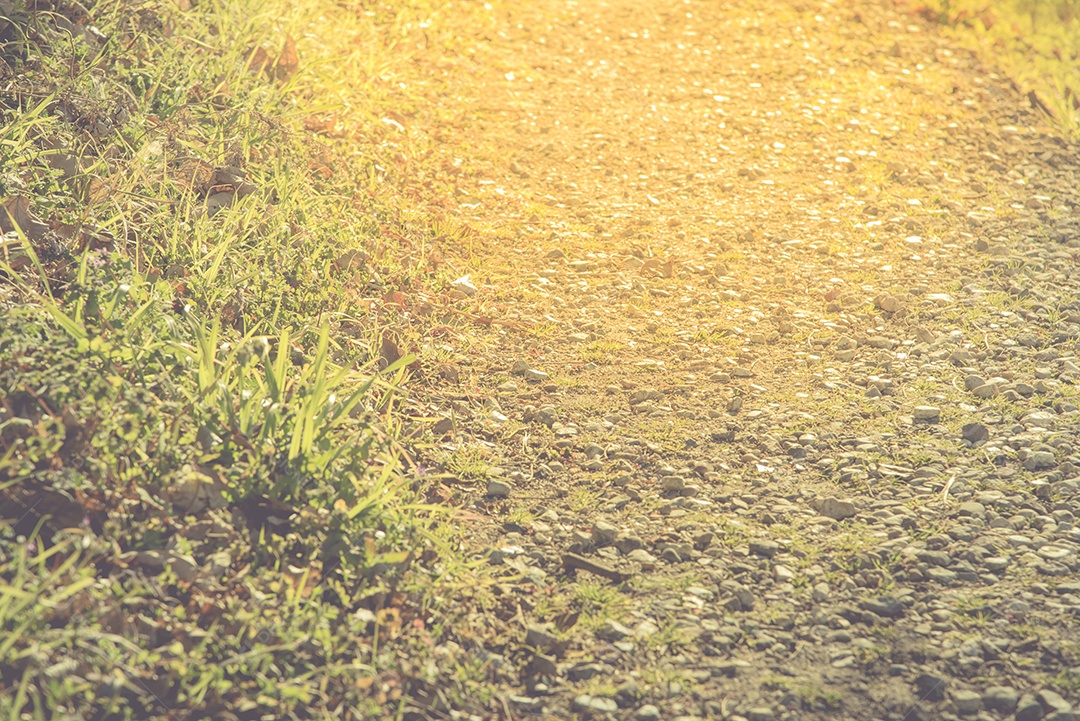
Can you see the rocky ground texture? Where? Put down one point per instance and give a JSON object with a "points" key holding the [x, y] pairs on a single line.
{"points": [[777, 416]]}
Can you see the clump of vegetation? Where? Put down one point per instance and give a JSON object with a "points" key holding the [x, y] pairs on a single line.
{"points": [[203, 356], [1035, 42]]}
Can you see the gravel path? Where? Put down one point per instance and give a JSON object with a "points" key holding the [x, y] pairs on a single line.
{"points": [[778, 415]]}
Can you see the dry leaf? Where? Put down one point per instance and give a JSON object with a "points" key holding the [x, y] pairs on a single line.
{"points": [[389, 352], [651, 264], [289, 61], [194, 174], [15, 212], [350, 260], [259, 60]]}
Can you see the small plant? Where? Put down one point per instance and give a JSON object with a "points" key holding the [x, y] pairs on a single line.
{"points": [[471, 462], [600, 351]]}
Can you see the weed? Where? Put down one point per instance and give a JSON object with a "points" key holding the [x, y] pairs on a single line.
{"points": [[470, 462], [600, 351]]}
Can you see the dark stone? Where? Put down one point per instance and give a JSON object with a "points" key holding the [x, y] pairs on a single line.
{"points": [[931, 687]]}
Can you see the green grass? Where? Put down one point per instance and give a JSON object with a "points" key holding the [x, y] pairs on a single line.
{"points": [[469, 462], [601, 352], [165, 369], [1035, 42]]}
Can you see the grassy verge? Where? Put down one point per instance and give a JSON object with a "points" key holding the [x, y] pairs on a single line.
{"points": [[222, 244], [1035, 42]]}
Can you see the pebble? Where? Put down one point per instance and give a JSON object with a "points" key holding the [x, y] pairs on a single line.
{"points": [[821, 592], [783, 574], [648, 712], [498, 489], [1040, 460], [528, 704], [672, 484], [967, 702], [603, 533], [1001, 698], [931, 687], [1051, 701], [972, 508], [927, 414], [975, 433], [1028, 709], [595, 704], [1054, 552], [640, 555], [837, 509], [613, 631], [540, 636], [887, 303], [764, 548], [973, 382], [884, 606]]}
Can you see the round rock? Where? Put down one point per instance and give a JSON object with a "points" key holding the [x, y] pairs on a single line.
{"points": [[1001, 698]]}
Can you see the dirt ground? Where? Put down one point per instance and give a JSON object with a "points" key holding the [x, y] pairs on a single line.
{"points": [[785, 324]]}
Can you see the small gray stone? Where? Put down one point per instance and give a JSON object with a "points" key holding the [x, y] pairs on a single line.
{"points": [[764, 548], [672, 484], [1040, 460], [967, 702], [931, 687], [975, 432], [972, 382], [1001, 698], [1052, 701], [837, 509], [603, 533], [1060, 716], [1028, 709], [941, 575], [986, 390], [783, 574], [821, 592], [535, 376], [613, 631], [927, 414], [760, 713], [884, 606], [594, 451], [540, 636], [498, 489], [595, 704], [1040, 419], [1053, 552], [528, 704], [972, 508], [585, 671], [640, 555], [648, 712]]}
